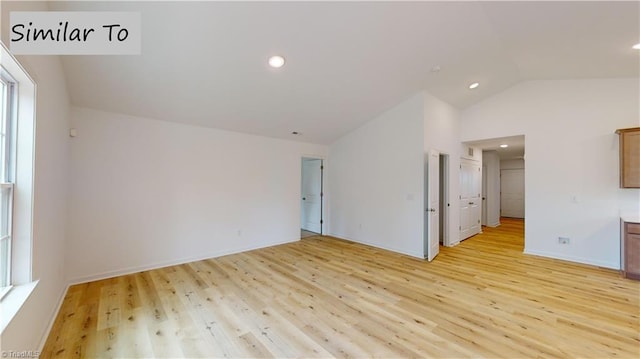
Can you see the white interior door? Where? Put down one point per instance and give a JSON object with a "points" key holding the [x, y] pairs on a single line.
{"points": [[432, 221], [483, 220], [512, 193], [311, 210], [444, 200], [470, 200]]}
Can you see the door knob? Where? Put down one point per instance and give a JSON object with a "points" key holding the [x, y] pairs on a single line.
{"points": [[470, 202], [304, 198]]}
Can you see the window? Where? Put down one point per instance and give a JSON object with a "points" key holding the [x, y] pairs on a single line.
{"points": [[7, 179], [17, 154]]}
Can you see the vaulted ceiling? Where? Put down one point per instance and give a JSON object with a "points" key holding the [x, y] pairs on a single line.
{"points": [[205, 63]]}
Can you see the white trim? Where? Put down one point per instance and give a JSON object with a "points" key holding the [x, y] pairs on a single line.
{"points": [[8, 53], [52, 320], [325, 190], [5, 290], [24, 181], [33, 173], [345, 238], [581, 260], [163, 264]]}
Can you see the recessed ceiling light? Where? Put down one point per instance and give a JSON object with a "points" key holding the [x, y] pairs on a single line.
{"points": [[276, 61], [436, 69], [474, 85], [636, 47], [504, 146]]}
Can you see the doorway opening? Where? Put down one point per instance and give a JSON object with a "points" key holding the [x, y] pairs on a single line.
{"points": [[503, 178], [311, 197], [512, 188]]}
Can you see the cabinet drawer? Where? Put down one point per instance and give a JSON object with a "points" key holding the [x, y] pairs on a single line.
{"points": [[632, 256], [633, 228]]}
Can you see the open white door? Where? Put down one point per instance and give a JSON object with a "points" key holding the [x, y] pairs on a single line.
{"points": [[432, 222], [311, 216], [483, 217]]}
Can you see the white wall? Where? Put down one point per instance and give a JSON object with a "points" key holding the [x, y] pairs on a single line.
{"points": [[476, 153], [442, 133], [572, 152], [148, 193], [513, 164], [491, 163], [376, 181]]}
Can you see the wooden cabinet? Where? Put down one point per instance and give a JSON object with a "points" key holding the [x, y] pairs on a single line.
{"points": [[629, 157], [630, 250]]}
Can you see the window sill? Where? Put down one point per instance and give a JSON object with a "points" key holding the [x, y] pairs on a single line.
{"points": [[4, 291], [13, 301]]}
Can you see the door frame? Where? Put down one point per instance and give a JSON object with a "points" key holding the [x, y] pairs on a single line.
{"points": [[323, 162]]}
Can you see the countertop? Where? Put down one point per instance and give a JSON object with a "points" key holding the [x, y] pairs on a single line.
{"points": [[633, 218]]}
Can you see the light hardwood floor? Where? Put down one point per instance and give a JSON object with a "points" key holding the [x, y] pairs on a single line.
{"points": [[323, 297], [305, 234]]}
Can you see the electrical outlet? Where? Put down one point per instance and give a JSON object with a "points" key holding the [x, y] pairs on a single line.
{"points": [[564, 240]]}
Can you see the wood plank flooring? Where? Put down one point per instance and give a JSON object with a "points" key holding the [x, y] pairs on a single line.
{"points": [[324, 297], [304, 233]]}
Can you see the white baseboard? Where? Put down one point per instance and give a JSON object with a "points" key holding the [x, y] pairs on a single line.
{"points": [[47, 331], [146, 267], [575, 259], [494, 225], [419, 256]]}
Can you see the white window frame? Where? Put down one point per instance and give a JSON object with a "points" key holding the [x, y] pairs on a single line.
{"points": [[24, 112], [6, 282], [7, 175]]}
